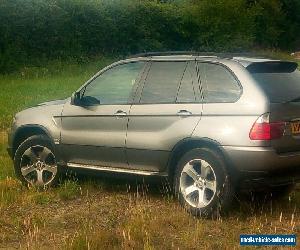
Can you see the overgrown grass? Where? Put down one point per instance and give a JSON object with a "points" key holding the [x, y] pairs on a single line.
{"points": [[106, 213]]}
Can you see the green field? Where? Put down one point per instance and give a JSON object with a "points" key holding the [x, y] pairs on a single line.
{"points": [[105, 213]]}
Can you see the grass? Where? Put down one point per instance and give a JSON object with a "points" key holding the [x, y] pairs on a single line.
{"points": [[106, 213]]}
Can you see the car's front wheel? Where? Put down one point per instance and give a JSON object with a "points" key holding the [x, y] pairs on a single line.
{"points": [[202, 183], [35, 162]]}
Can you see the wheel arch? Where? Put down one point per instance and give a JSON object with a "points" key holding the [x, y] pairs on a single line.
{"points": [[188, 144], [26, 131]]}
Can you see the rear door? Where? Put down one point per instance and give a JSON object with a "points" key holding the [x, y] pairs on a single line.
{"points": [[166, 111], [281, 83]]}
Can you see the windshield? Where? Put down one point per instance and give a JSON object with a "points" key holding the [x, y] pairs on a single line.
{"points": [[280, 86]]}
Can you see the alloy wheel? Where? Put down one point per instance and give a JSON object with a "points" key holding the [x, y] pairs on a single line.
{"points": [[38, 166], [198, 183]]}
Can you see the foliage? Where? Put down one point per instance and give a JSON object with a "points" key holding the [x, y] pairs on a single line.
{"points": [[34, 31]]}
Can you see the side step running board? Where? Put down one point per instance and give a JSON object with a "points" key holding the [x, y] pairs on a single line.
{"points": [[117, 170]]}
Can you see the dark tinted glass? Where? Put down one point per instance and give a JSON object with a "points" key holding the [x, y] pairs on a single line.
{"points": [[162, 82], [272, 67], [115, 85], [189, 89], [219, 85], [280, 87]]}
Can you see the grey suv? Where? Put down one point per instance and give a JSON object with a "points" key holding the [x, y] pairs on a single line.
{"points": [[211, 124]]}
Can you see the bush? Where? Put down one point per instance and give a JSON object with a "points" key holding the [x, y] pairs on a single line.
{"points": [[35, 31], [223, 25]]}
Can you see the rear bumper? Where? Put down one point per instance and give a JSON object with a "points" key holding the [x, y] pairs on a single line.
{"points": [[262, 180], [261, 159], [262, 166]]}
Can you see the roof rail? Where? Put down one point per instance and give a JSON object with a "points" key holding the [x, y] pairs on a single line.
{"points": [[171, 53], [193, 53]]}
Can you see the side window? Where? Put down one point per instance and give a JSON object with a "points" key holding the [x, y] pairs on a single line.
{"points": [[115, 85], [189, 89], [219, 85], [162, 82]]}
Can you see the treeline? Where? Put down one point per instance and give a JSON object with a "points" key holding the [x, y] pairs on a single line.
{"points": [[32, 31]]}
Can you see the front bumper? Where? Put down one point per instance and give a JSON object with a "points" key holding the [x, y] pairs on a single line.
{"points": [[9, 147], [10, 152], [262, 166]]}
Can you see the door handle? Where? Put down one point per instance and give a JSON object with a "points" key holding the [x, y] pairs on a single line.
{"points": [[184, 113], [120, 113]]}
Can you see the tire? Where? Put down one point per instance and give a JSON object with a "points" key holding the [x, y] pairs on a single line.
{"points": [[35, 162], [206, 192]]}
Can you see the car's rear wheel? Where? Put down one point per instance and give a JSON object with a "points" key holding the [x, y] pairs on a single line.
{"points": [[202, 183], [35, 162]]}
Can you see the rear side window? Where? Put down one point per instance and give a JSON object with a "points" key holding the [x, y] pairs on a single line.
{"points": [[279, 85], [218, 83], [162, 82]]}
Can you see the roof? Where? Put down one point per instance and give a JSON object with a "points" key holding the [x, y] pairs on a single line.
{"points": [[210, 56]]}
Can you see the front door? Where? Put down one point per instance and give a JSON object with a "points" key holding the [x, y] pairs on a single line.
{"points": [[94, 134]]}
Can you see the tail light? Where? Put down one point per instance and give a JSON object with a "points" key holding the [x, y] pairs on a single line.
{"points": [[263, 129]]}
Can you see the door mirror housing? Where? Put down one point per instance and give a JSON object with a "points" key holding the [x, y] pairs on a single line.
{"points": [[75, 99], [84, 101], [89, 101]]}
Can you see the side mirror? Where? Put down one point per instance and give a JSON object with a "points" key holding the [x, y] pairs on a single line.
{"points": [[84, 101], [75, 99], [87, 101]]}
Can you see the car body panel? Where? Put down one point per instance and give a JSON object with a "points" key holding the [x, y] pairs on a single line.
{"points": [[144, 139], [94, 135], [154, 129], [264, 159], [289, 113], [230, 123], [46, 116]]}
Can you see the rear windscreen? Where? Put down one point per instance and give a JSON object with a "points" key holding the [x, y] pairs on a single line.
{"points": [[280, 85]]}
